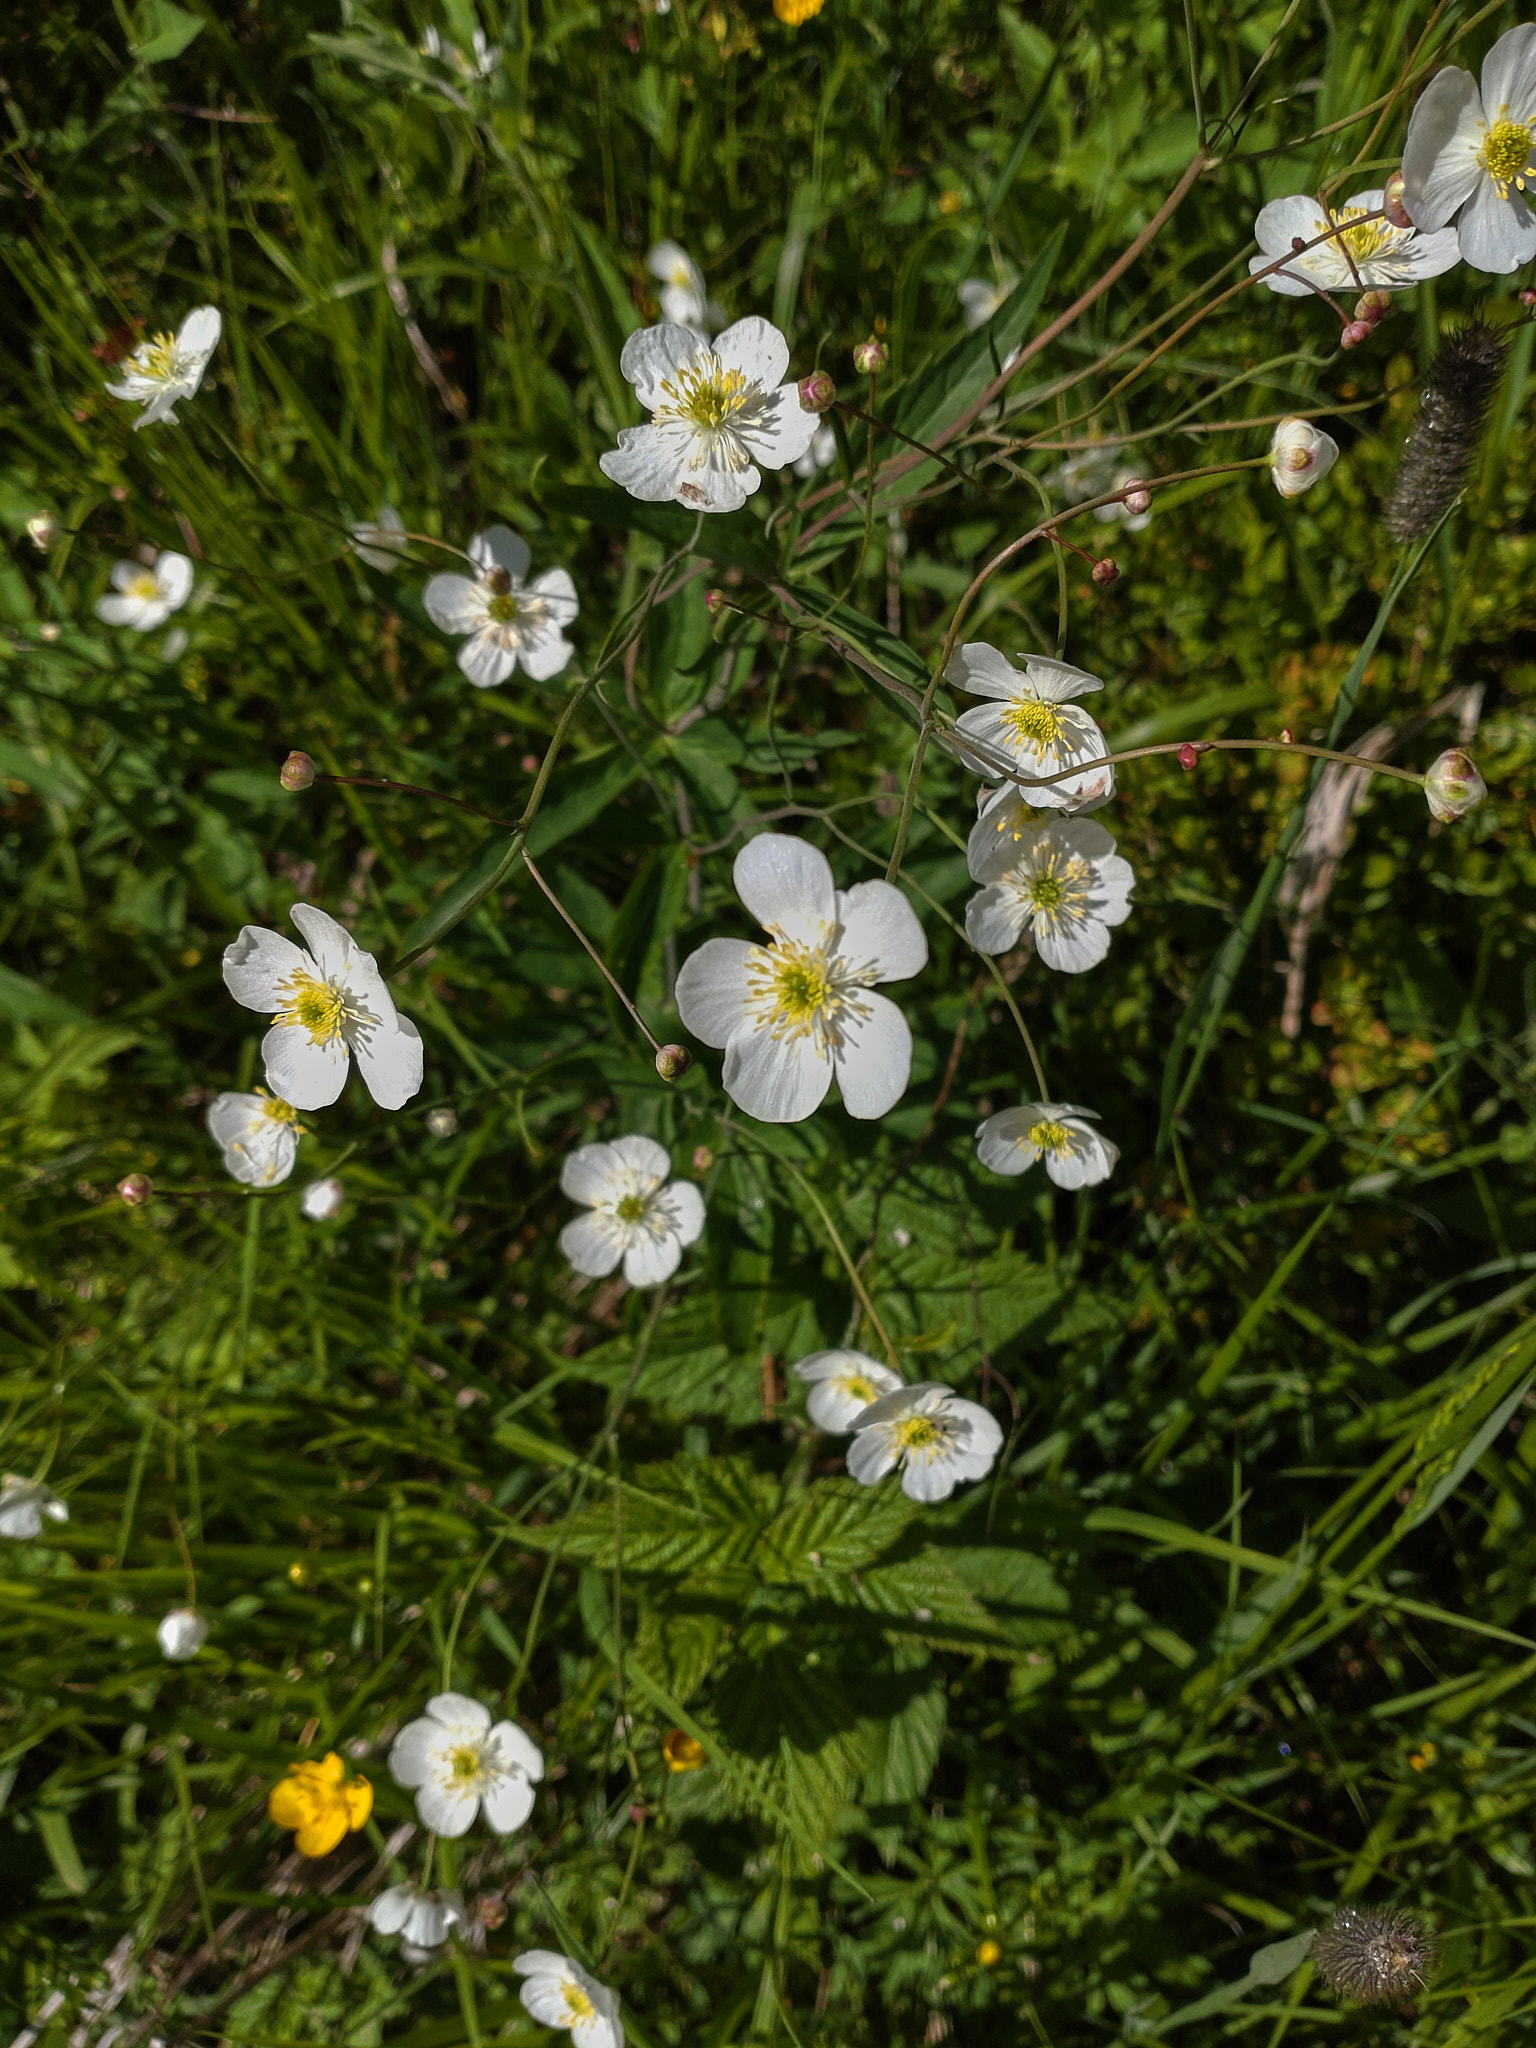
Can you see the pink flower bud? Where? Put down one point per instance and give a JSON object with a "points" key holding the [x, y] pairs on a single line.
{"points": [[1392, 202], [1189, 754], [817, 392], [1286, 735], [135, 1189], [673, 1061], [297, 772], [1356, 332], [1452, 787], [1137, 498], [714, 602], [1105, 571], [703, 1159], [871, 357], [1373, 306]]}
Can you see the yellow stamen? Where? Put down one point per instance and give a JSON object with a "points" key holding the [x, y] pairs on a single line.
{"points": [[1372, 238], [802, 987], [465, 1764], [705, 393], [144, 585], [918, 1433], [858, 1388], [276, 1111], [1047, 892], [631, 1209], [315, 1006], [502, 609], [577, 2004], [1049, 1136], [1038, 724], [1506, 155]]}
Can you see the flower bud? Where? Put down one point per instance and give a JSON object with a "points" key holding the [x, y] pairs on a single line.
{"points": [[49, 631], [442, 1123], [1355, 332], [1286, 735], [871, 357], [43, 531], [1373, 306], [181, 1635], [297, 772], [135, 1189], [1453, 786], [1392, 202], [1105, 571], [817, 392], [1299, 454], [714, 602], [1189, 754], [322, 1199], [703, 1159], [1136, 498], [673, 1061]]}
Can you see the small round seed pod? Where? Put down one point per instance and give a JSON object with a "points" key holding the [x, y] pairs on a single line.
{"points": [[1104, 572], [135, 1189], [673, 1061], [1373, 1957], [870, 357], [1137, 498], [297, 772], [817, 392]]}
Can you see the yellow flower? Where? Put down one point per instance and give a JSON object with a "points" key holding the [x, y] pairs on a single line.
{"points": [[321, 1804], [988, 1954], [681, 1751], [796, 11]]}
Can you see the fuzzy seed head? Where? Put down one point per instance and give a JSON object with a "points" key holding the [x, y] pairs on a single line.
{"points": [[673, 1061], [1458, 391], [817, 392], [871, 357], [297, 772], [1374, 1958]]}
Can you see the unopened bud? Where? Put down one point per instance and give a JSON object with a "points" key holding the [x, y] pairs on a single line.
{"points": [[1373, 306], [43, 531], [1105, 571], [817, 392], [1286, 735], [1355, 332], [322, 1199], [1137, 498], [1392, 202], [498, 581], [871, 357], [703, 1159], [297, 772], [1189, 754], [1299, 454], [714, 602], [673, 1061], [442, 1123], [1453, 786], [1528, 298], [135, 1189]]}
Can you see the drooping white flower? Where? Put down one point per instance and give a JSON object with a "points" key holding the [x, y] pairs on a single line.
{"points": [[167, 368], [181, 1635], [843, 1383], [1090, 473], [717, 411], [1299, 454], [421, 1918], [1060, 1133], [380, 542], [508, 620], [980, 300], [330, 1003], [684, 295], [259, 1135], [560, 1993], [636, 1213], [802, 1009], [323, 1200], [1064, 884], [1468, 155], [145, 598], [936, 1438], [23, 1504], [458, 1764], [820, 455], [1031, 720], [1368, 256]]}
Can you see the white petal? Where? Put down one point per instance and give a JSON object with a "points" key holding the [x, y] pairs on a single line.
{"points": [[870, 1456], [235, 1116], [1509, 76], [787, 885], [984, 1436], [558, 593], [486, 660], [1002, 1142], [173, 578], [649, 461], [645, 1156], [652, 354], [456, 603], [1071, 947], [879, 934], [1282, 220], [200, 331], [593, 1243], [256, 963], [390, 1910], [651, 1260], [592, 1173], [544, 654], [1440, 167], [508, 1803], [500, 547], [779, 1081], [1057, 682], [874, 1061], [1496, 235], [518, 1747], [309, 1076], [683, 1205], [994, 919], [756, 348], [539, 1962], [1090, 1160], [414, 1749], [782, 432], [544, 1997], [332, 945], [391, 1059], [712, 989], [929, 1479], [446, 1812], [458, 1712], [984, 671]]}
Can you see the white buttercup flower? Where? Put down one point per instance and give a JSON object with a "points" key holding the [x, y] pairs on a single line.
{"points": [[1367, 256], [821, 454], [1060, 1133], [717, 410], [684, 296], [1299, 454], [980, 300], [1065, 885], [936, 1438], [330, 1003], [843, 1383], [145, 598], [561, 1993], [1033, 721], [260, 1136], [508, 620], [323, 1200], [23, 1504], [181, 1635], [793, 1014], [637, 1215], [1470, 153], [167, 368], [380, 542], [421, 1918], [458, 1764]]}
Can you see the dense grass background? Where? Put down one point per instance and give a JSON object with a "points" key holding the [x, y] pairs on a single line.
{"points": [[1242, 1628]]}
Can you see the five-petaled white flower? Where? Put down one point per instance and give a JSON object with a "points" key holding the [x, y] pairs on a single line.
{"points": [[843, 1383], [330, 1003], [169, 367], [181, 1635], [1365, 256], [561, 1993], [717, 410], [936, 1438], [421, 1918], [1470, 153], [381, 542], [1063, 883], [1033, 722], [458, 1764], [508, 620], [143, 597], [637, 1215], [684, 296], [1300, 455], [793, 1014], [23, 1504], [1060, 1133], [260, 1136]]}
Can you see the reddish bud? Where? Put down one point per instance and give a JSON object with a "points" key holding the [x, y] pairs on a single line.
{"points": [[703, 1159], [673, 1061], [135, 1189], [498, 581], [1137, 498], [1392, 202], [1189, 754], [1286, 735], [817, 392], [1105, 571], [1298, 243], [714, 602], [297, 772], [871, 357], [1528, 298], [1356, 332], [1373, 306]]}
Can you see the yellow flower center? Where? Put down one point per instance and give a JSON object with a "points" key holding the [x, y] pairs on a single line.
{"points": [[1506, 153], [503, 608], [1369, 239], [464, 1764], [157, 357], [276, 1111], [1049, 1136], [802, 986], [918, 1433], [705, 393], [1047, 892], [1039, 724], [631, 1209], [145, 586], [578, 2006], [858, 1388], [317, 1007]]}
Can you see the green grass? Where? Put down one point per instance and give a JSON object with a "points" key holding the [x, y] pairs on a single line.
{"points": [[1241, 1628]]}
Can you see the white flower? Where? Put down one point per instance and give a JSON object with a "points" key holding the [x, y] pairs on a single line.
{"points": [[380, 542], [457, 1764], [421, 1918], [1075, 1154], [820, 455], [322, 1199], [980, 300], [1032, 721], [843, 1383], [716, 411], [1369, 256], [181, 1635], [164, 370], [794, 1013], [330, 1002], [23, 1504], [684, 296], [637, 1214], [260, 1136], [145, 598], [936, 1438], [1470, 152], [561, 1993], [1063, 883], [508, 619], [1299, 454]]}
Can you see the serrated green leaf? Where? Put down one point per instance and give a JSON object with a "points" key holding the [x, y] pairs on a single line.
{"points": [[903, 1751], [834, 1526]]}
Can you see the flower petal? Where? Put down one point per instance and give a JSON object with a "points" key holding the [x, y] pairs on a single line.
{"points": [[558, 593], [507, 1804], [757, 349], [544, 654], [787, 885], [256, 963], [446, 1812], [200, 331], [309, 1076], [518, 1747], [1440, 167], [994, 919], [779, 1081], [455, 603], [458, 1712], [874, 1060], [879, 934], [391, 1059], [644, 1156], [592, 1173], [650, 1259], [415, 1746], [1495, 234], [649, 461], [683, 1205], [500, 548], [593, 1243], [870, 1456], [783, 431], [173, 578], [1509, 76], [713, 987], [984, 671], [653, 354], [486, 659]]}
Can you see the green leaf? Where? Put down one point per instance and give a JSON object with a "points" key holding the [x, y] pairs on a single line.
{"points": [[162, 30], [59, 1841], [903, 1751], [674, 1518], [459, 899], [587, 789], [834, 1526]]}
